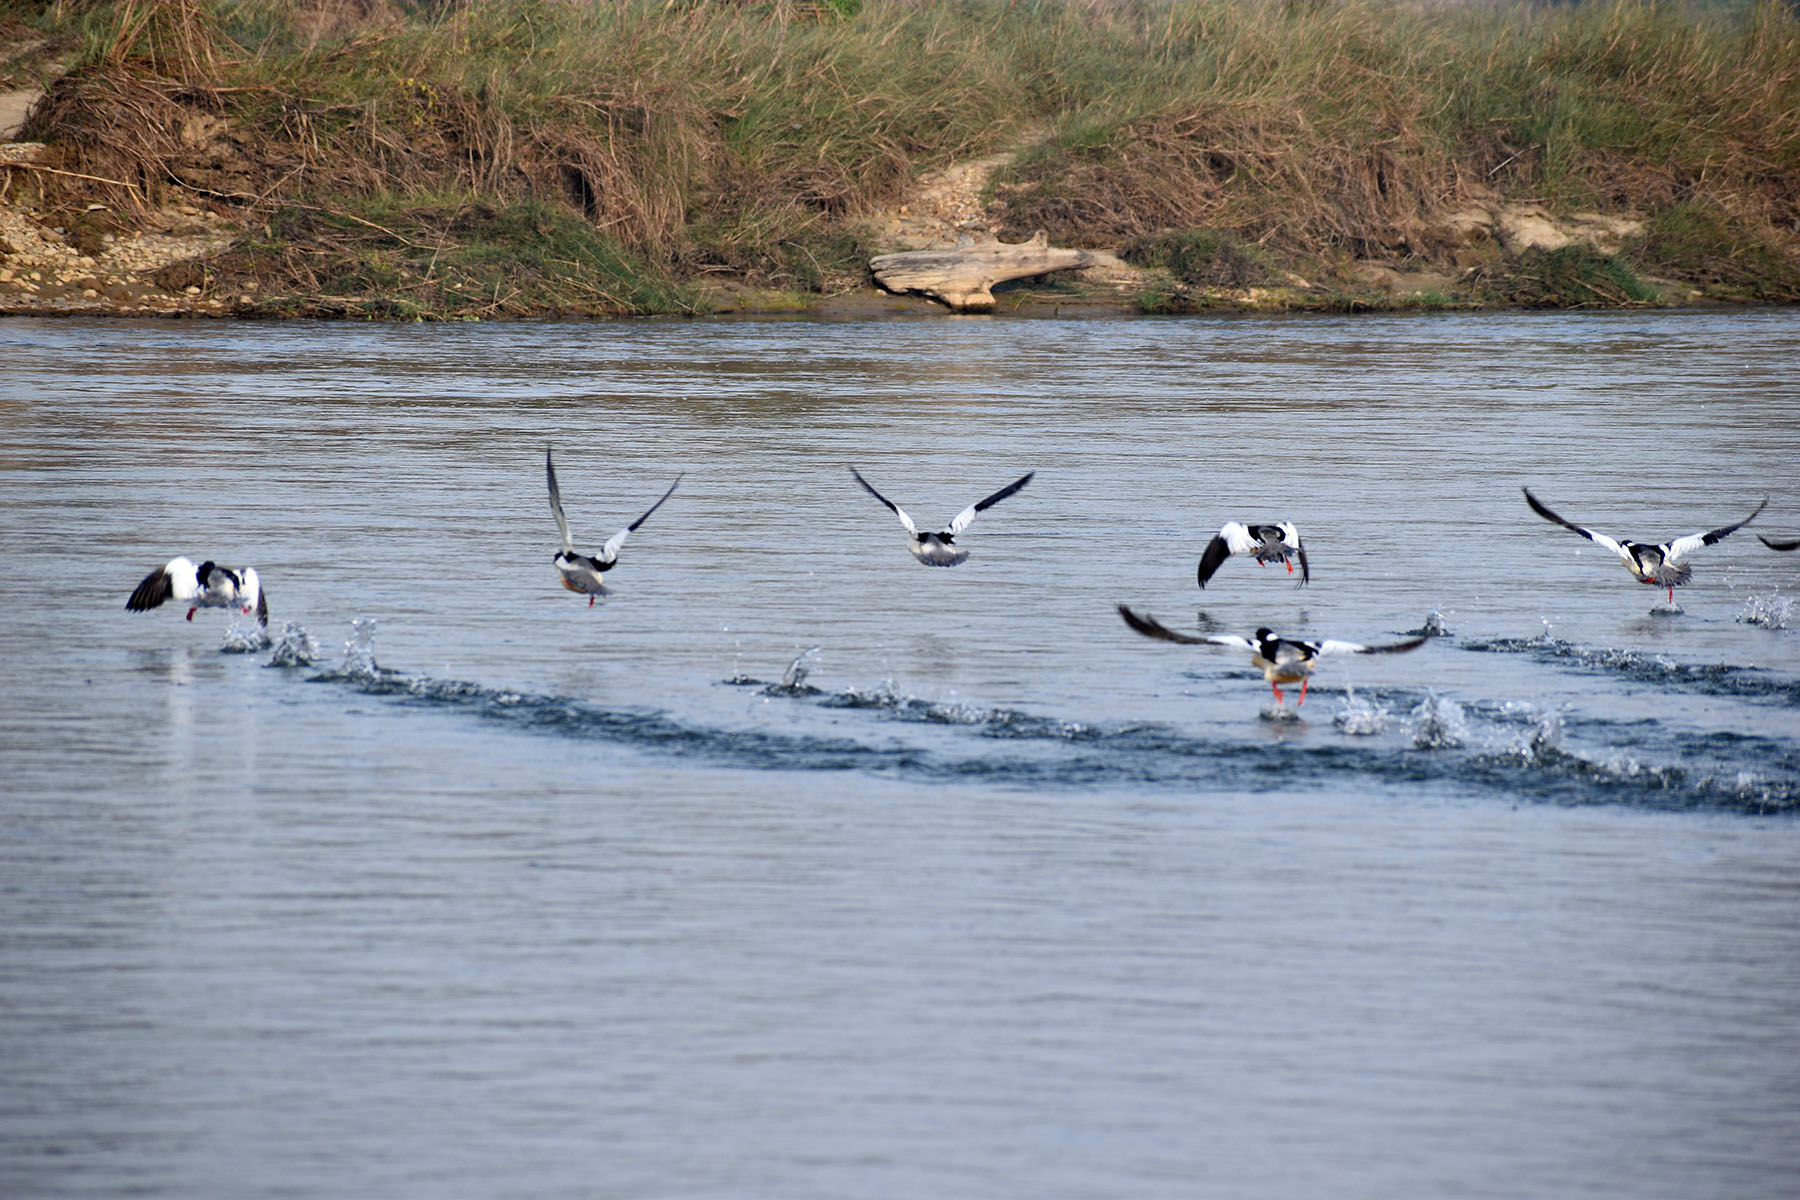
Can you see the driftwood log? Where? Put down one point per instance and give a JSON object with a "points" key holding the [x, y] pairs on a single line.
{"points": [[963, 276]]}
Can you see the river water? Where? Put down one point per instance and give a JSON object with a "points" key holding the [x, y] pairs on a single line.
{"points": [[797, 869]]}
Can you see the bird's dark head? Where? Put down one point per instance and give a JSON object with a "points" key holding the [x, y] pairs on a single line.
{"points": [[1264, 634]]}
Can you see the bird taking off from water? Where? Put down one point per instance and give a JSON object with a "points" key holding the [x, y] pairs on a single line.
{"points": [[206, 586], [940, 549], [582, 573], [1281, 660], [1657, 565], [1268, 543]]}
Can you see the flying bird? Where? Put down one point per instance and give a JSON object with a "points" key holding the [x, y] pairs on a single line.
{"points": [[1269, 543], [206, 586], [1281, 660], [582, 573], [940, 549], [1793, 545], [1657, 565]]}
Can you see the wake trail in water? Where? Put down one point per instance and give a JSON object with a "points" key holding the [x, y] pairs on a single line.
{"points": [[1711, 679], [1395, 738]]}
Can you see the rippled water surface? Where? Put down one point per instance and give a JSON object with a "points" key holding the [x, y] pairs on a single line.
{"points": [[795, 868]]}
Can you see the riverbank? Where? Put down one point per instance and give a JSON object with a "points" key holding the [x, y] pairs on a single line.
{"points": [[363, 159]]}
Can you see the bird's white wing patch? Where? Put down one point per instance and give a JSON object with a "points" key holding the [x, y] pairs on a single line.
{"points": [[1681, 546], [611, 550], [1600, 539], [961, 521], [1332, 647], [184, 578], [556, 508], [1237, 537], [1230, 639]]}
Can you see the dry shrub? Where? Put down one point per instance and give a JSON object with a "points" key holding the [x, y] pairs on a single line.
{"points": [[115, 130], [178, 37], [316, 22], [138, 121], [1262, 173], [627, 160], [1333, 130]]}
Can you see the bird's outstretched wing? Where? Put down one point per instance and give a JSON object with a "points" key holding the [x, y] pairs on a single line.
{"points": [[1150, 627], [556, 508], [1291, 534], [892, 507], [1232, 538], [1599, 539], [179, 579], [1358, 648], [1694, 541], [961, 521], [1784, 546], [156, 587], [611, 550]]}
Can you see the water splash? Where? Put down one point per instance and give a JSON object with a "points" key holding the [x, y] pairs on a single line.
{"points": [[1361, 717], [1770, 612], [793, 680], [244, 638], [884, 695], [1434, 625], [1545, 741], [294, 648], [1438, 723], [796, 673], [359, 650]]}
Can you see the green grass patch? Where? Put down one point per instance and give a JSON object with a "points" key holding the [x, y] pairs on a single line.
{"points": [[441, 259], [1204, 258], [1572, 277], [1726, 257]]}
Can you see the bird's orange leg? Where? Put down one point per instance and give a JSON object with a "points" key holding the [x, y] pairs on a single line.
{"points": [[1279, 698], [191, 613], [590, 602], [1303, 684], [1290, 566]]}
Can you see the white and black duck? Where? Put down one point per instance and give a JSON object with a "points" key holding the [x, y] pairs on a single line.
{"points": [[1266, 543], [1657, 564], [208, 585], [940, 549], [584, 573], [1281, 660]]}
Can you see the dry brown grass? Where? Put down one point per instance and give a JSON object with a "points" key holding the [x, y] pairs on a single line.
{"points": [[753, 140]]}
